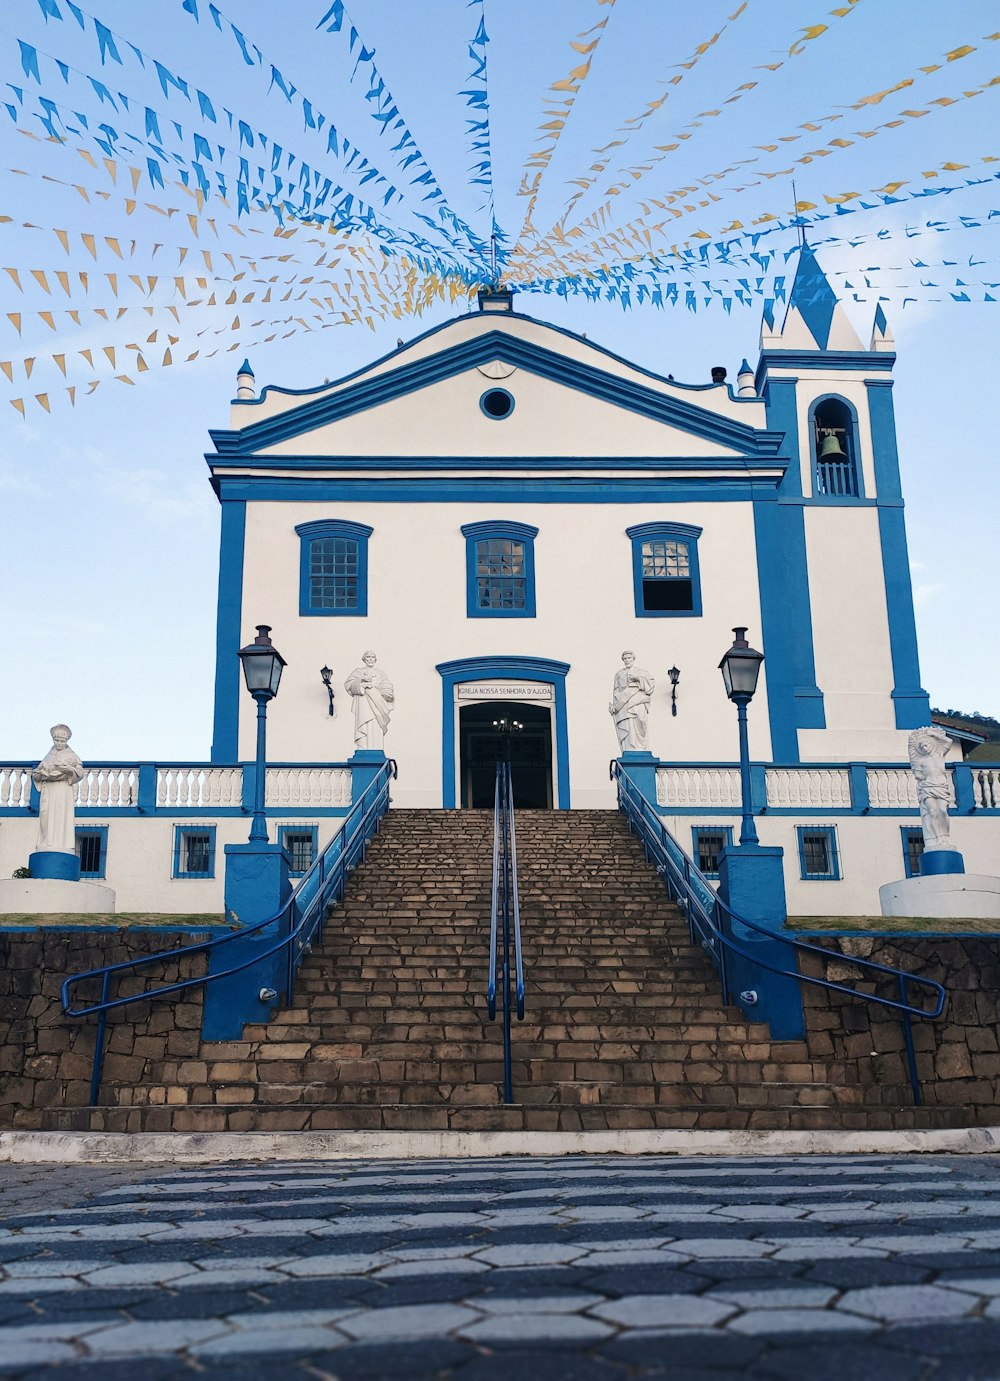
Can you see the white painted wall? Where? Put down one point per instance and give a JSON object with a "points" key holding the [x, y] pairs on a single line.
{"points": [[140, 856], [585, 616]]}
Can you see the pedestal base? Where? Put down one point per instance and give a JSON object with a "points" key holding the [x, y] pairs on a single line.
{"points": [[52, 896], [965, 896], [50, 863]]}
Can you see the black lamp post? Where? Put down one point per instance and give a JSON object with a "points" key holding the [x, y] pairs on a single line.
{"points": [[262, 667], [740, 668], [675, 676], [326, 676]]}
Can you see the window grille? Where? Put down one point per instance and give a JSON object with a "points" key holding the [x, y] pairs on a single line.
{"points": [[90, 848], [196, 851], [818, 856], [300, 845], [709, 844], [913, 851]]}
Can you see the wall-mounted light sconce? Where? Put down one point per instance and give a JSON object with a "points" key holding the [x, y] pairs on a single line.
{"points": [[675, 676], [326, 676]]}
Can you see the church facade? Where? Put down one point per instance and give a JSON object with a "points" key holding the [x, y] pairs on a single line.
{"points": [[499, 509]]}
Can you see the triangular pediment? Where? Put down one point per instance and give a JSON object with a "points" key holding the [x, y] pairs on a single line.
{"points": [[580, 401]]}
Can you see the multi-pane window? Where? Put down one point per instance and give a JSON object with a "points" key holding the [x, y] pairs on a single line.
{"points": [[194, 851], [818, 858], [665, 569], [91, 849], [500, 569], [708, 846], [333, 573], [913, 851], [500, 578], [300, 845], [333, 568], [666, 574]]}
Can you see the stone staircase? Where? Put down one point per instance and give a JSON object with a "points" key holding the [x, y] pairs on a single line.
{"points": [[624, 1027]]}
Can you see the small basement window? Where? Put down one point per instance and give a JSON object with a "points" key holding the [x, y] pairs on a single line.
{"points": [[913, 850], [299, 842], [91, 849], [708, 845], [818, 857], [194, 851]]}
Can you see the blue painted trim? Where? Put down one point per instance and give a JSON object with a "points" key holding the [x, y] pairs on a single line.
{"points": [[474, 533], [726, 831], [860, 796], [834, 852], [102, 832], [229, 620], [825, 360], [53, 863], [494, 417], [641, 532], [284, 831], [838, 501], [910, 701], [503, 667], [408, 464], [906, 833], [570, 489], [336, 402], [179, 832], [308, 533]]}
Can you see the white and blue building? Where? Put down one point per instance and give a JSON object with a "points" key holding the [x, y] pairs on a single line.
{"points": [[498, 508]]}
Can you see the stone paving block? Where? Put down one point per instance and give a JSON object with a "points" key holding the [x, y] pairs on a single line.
{"points": [[156, 1273], [417, 1321], [551, 1330], [263, 1342], [533, 1304], [530, 1254], [780, 1297], [660, 1311], [774, 1322], [906, 1303], [153, 1335]]}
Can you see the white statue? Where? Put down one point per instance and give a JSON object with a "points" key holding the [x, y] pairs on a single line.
{"points": [[927, 748], [630, 705], [374, 701], [56, 777]]}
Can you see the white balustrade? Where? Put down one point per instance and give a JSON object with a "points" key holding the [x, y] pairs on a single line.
{"points": [[892, 788], [188, 788], [808, 788], [108, 788], [985, 786], [308, 787], [717, 787], [15, 787]]}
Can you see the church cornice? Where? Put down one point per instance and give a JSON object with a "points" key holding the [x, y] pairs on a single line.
{"points": [[350, 398]]}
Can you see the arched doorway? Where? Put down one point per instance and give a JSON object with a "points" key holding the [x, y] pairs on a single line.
{"points": [[482, 741]]}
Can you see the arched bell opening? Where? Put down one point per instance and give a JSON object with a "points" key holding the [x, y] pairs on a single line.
{"points": [[835, 449]]}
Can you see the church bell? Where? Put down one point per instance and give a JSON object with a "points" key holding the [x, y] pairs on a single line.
{"points": [[831, 449]]}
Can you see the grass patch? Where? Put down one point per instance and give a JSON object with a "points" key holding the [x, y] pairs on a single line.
{"points": [[896, 925]]}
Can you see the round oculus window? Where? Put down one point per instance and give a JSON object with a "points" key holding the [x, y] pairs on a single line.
{"points": [[497, 403]]}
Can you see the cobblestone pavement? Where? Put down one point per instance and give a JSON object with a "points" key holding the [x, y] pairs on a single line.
{"points": [[586, 1268]]}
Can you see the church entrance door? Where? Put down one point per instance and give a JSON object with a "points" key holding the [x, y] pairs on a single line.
{"points": [[482, 742]]}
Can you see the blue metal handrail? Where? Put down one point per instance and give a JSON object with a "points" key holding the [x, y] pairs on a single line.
{"points": [[710, 920], [505, 918], [299, 922]]}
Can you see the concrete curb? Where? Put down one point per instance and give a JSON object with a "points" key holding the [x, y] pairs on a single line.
{"points": [[205, 1148]]}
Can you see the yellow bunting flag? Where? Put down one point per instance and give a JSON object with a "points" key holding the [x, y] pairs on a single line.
{"points": [[19, 404]]}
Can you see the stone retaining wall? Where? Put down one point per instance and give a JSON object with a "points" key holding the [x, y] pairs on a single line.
{"points": [[958, 1056], [45, 1056]]}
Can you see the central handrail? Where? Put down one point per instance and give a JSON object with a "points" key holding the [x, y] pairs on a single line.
{"points": [[505, 918], [710, 922], [299, 923]]}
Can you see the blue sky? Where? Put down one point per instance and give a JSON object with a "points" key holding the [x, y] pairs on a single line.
{"points": [[109, 528]]}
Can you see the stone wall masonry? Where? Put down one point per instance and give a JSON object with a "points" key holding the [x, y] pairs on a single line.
{"points": [[958, 1056], [46, 1057]]}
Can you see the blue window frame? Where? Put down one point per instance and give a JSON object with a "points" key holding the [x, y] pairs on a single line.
{"points": [[194, 851], [836, 452], [665, 571], [819, 858], [913, 850], [708, 842], [333, 569], [300, 843], [92, 850], [500, 570]]}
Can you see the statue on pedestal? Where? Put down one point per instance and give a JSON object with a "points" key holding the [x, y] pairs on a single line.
{"points": [[374, 701], [629, 707], [56, 777], [927, 749]]}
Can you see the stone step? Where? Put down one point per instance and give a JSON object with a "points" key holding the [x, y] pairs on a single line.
{"points": [[520, 1117]]}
